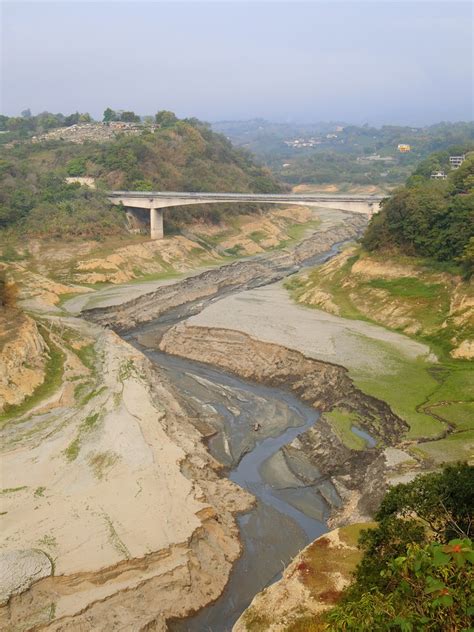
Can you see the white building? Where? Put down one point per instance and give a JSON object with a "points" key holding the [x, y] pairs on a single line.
{"points": [[456, 161], [438, 175]]}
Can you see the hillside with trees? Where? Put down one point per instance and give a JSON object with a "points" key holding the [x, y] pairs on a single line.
{"points": [[341, 154], [180, 155], [429, 218]]}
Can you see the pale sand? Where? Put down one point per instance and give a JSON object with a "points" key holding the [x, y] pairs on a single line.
{"points": [[122, 498]]}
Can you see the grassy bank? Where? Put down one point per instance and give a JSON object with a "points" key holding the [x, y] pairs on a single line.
{"points": [[434, 396]]}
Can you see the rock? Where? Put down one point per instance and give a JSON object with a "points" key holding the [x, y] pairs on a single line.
{"points": [[22, 358], [19, 569]]}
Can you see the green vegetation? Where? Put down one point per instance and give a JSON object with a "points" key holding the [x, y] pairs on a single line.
{"points": [[24, 126], [100, 462], [178, 155], [342, 421], [115, 540], [255, 622], [429, 218], [408, 287], [52, 381], [72, 451], [12, 490], [345, 155], [426, 394], [48, 541], [416, 572]]}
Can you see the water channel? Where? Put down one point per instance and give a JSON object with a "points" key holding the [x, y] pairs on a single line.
{"points": [[285, 518]]}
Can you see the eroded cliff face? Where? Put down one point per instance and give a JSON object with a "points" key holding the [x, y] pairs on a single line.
{"points": [[121, 495], [23, 357], [242, 274], [318, 455]]}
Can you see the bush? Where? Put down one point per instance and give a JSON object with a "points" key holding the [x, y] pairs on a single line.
{"points": [[416, 571]]}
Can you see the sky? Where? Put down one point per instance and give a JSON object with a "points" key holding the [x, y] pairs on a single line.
{"points": [[378, 61]]}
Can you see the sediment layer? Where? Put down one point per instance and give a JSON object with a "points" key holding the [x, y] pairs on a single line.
{"points": [[358, 475], [123, 498], [211, 283]]}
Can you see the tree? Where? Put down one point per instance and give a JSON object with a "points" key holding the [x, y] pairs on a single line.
{"points": [[429, 218], [429, 588], [129, 117], [442, 501], [417, 566], [3, 122], [26, 113], [76, 167], [166, 118], [109, 115], [72, 119]]}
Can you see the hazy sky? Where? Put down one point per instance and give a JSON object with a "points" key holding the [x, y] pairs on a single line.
{"points": [[380, 61]]}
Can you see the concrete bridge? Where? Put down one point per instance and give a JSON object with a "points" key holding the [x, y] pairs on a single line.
{"points": [[155, 201]]}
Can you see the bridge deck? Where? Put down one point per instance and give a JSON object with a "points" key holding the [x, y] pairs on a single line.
{"points": [[251, 197]]}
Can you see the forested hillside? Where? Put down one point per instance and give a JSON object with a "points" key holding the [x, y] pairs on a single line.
{"points": [[179, 155], [340, 154], [429, 218]]}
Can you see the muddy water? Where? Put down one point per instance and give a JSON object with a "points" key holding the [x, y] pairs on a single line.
{"points": [[277, 528], [247, 424]]}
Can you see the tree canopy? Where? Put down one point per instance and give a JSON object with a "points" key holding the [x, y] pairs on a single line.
{"points": [[417, 568], [429, 218]]}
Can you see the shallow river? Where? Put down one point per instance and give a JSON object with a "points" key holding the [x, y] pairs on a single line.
{"points": [[286, 517], [277, 528]]}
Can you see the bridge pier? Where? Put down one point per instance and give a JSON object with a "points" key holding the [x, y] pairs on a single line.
{"points": [[156, 223]]}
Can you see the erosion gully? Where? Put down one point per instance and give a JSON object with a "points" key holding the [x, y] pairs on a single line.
{"points": [[284, 519]]}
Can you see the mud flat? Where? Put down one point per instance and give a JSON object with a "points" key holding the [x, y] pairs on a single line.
{"points": [[194, 292]]}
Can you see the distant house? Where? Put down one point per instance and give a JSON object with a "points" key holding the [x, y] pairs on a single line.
{"points": [[438, 175], [404, 148], [456, 161], [84, 181]]}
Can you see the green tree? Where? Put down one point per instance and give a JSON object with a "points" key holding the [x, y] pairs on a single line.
{"points": [[442, 501], [109, 115], [416, 569], [433, 219], [129, 117], [76, 167], [166, 118], [428, 588]]}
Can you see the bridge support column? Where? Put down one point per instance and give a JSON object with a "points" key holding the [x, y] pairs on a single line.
{"points": [[156, 223]]}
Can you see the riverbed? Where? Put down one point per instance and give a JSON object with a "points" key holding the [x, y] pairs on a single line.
{"points": [[247, 424], [244, 424], [277, 528]]}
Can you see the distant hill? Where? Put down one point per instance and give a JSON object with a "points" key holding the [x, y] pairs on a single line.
{"points": [[180, 155], [431, 218], [335, 153]]}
